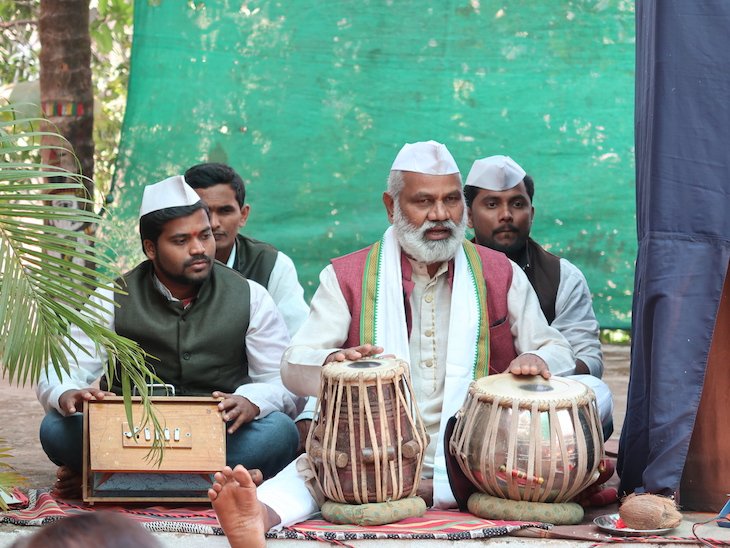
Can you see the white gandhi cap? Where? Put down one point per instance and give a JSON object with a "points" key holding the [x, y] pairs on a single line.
{"points": [[495, 173], [429, 157], [172, 192]]}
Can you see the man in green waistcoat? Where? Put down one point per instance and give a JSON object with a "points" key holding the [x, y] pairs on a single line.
{"points": [[223, 191], [211, 331]]}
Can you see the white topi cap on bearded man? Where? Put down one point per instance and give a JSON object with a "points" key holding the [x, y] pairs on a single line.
{"points": [[496, 173], [172, 192], [429, 157]]}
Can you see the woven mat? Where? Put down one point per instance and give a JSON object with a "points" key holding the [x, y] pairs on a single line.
{"points": [[435, 524], [43, 508]]}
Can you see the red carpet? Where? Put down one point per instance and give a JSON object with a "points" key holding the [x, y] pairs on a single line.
{"points": [[435, 524]]}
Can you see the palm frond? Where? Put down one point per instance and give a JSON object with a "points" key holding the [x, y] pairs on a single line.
{"points": [[49, 270], [8, 476]]}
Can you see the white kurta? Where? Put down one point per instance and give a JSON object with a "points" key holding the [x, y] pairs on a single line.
{"points": [[575, 319], [440, 387], [327, 327], [266, 340], [285, 289]]}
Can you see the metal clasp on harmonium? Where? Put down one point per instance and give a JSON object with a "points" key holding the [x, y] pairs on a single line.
{"points": [[175, 437]]}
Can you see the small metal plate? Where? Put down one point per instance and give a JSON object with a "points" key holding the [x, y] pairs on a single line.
{"points": [[607, 524]]}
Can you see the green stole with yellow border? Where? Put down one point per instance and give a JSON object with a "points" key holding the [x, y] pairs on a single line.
{"points": [[370, 295]]}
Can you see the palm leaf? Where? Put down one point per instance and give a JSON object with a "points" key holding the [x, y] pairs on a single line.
{"points": [[49, 270], [8, 476]]}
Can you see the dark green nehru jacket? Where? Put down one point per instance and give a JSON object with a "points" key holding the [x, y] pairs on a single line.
{"points": [[255, 259], [201, 348]]}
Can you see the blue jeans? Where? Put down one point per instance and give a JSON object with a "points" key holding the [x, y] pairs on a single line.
{"points": [[268, 444]]}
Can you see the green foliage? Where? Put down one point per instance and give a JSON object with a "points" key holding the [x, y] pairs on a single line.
{"points": [[111, 40], [18, 38], [8, 476], [616, 336]]}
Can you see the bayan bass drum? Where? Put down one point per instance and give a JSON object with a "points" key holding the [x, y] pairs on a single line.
{"points": [[527, 438]]}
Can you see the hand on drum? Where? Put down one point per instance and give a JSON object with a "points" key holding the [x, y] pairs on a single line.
{"points": [[71, 400], [529, 364], [237, 409], [354, 353]]}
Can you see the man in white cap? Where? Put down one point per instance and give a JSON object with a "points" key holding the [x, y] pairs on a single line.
{"points": [[210, 332], [427, 310], [499, 196]]}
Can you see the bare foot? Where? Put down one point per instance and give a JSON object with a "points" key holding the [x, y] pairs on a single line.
{"points": [[241, 515], [68, 484]]}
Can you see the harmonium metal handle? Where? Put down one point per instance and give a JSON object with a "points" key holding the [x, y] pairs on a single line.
{"points": [[157, 389]]}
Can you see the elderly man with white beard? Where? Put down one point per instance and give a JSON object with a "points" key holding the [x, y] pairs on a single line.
{"points": [[429, 309]]}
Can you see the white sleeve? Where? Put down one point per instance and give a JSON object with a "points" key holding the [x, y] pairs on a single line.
{"points": [[266, 340], [310, 408], [324, 332], [86, 360], [575, 319], [530, 329], [288, 293]]}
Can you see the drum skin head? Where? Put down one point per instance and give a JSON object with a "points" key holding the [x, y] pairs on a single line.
{"points": [[366, 368], [528, 388]]}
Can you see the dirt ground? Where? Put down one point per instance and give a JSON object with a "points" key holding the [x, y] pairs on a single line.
{"points": [[23, 415]]}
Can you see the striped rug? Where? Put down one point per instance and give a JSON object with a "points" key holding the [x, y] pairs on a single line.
{"points": [[435, 524]]}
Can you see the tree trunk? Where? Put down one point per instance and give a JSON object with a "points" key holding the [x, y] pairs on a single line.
{"points": [[67, 98]]}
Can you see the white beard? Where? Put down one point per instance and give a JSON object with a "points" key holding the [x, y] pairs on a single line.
{"points": [[413, 241]]}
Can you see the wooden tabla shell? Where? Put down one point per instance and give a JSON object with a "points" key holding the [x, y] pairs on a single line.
{"points": [[528, 439], [367, 439]]}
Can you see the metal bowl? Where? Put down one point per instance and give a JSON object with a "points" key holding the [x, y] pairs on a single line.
{"points": [[607, 524]]}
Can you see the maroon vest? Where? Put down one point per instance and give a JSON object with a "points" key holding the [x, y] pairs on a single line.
{"points": [[497, 275]]}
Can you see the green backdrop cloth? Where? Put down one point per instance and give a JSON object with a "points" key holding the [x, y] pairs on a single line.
{"points": [[310, 102]]}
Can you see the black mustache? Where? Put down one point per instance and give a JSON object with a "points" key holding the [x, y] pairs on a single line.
{"points": [[197, 258], [505, 228]]}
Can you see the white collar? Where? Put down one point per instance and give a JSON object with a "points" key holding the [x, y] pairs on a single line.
{"points": [[159, 286], [421, 268], [232, 256]]}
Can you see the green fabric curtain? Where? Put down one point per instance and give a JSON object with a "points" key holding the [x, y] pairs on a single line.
{"points": [[310, 102]]}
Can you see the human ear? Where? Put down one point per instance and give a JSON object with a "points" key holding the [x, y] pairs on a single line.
{"points": [[389, 205], [150, 249]]}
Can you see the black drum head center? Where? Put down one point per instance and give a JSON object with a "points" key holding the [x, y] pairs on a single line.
{"points": [[364, 364], [537, 388]]}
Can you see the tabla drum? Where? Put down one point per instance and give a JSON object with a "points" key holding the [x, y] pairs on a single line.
{"points": [[367, 440], [527, 438]]}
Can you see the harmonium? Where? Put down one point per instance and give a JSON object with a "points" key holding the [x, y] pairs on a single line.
{"points": [[119, 467]]}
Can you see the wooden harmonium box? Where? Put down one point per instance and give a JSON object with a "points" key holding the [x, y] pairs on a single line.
{"points": [[118, 465]]}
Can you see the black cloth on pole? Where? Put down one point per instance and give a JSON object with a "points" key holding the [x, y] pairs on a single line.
{"points": [[682, 123]]}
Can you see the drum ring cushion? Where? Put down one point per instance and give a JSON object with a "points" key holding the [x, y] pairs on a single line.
{"points": [[558, 513], [374, 513]]}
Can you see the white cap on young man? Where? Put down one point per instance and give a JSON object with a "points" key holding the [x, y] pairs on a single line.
{"points": [[172, 192], [429, 157], [496, 173]]}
